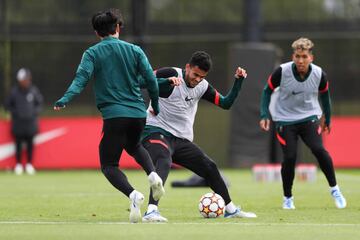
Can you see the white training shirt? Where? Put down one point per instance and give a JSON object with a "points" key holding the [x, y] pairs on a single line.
{"points": [[177, 112], [296, 100]]}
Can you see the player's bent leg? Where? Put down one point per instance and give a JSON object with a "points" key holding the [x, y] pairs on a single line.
{"points": [[117, 178], [194, 159], [312, 138], [155, 181], [143, 158], [158, 148]]}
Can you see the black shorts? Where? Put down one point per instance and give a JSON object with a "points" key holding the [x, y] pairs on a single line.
{"points": [[119, 134]]}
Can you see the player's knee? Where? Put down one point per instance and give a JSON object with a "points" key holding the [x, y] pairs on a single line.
{"points": [[131, 150], [210, 166], [289, 162], [290, 157], [106, 169], [318, 150], [164, 163]]}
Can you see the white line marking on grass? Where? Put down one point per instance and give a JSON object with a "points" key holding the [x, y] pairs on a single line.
{"points": [[185, 223], [78, 194]]}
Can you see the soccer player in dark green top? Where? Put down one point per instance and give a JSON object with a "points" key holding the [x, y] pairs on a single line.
{"points": [[294, 89], [117, 67]]}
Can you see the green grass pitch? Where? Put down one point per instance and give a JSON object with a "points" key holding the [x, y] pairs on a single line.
{"points": [[83, 205]]}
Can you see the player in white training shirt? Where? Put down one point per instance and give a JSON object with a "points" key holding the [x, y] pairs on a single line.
{"points": [[168, 136], [296, 112]]}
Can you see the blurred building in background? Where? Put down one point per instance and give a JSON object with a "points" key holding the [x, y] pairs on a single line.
{"points": [[49, 36]]}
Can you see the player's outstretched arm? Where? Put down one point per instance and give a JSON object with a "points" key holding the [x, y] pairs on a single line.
{"points": [[240, 73], [59, 104], [225, 102], [83, 74]]}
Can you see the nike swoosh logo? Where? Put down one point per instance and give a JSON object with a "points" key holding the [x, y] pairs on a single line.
{"points": [[8, 149], [188, 99], [296, 93]]}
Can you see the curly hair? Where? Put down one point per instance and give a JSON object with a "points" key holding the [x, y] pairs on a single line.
{"points": [[302, 44]]}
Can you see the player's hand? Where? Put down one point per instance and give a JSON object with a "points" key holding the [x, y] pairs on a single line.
{"points": [[240, 73], [153, 112], [265, 124], [154, 108], [324, 127], [59, 105], [174, 81]]}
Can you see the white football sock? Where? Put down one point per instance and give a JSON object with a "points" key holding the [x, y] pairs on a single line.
{"points": [[336, 187], [152, 176], [152, 207], [230, 207], [132, 194]]}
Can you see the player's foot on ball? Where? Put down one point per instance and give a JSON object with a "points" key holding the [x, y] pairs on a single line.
{"points": [[136, 200], [239, 214], [288, 203], [153, 216], [339, 199], [156, 185]]}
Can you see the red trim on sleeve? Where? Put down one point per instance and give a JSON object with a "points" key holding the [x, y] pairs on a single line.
{"points": [[159, 142], [326, 88], [217, 98], [270, 83], [281, 140]]}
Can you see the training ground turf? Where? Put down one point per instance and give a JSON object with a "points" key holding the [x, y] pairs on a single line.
{"points": [[83, 205]]}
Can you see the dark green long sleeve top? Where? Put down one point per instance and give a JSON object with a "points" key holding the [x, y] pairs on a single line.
{"points": [[117, 67]]}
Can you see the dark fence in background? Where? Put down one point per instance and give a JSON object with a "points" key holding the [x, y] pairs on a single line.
{"points": [[49, 37]]}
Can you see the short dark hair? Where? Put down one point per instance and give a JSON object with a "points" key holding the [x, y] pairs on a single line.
{"points": [[202, 60], [105, 22]]}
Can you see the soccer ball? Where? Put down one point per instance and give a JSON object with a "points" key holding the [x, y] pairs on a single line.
{"points": [[211, 205]]}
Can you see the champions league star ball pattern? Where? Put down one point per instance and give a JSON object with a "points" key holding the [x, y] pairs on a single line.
{"points": [[211, 205]]}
